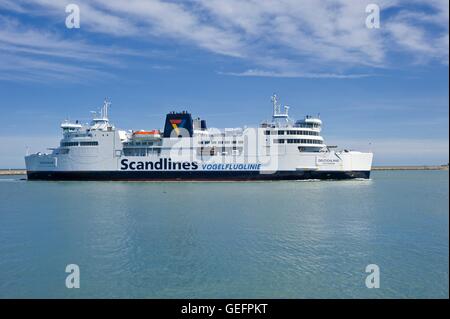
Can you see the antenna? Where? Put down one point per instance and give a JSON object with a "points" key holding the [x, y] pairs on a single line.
{"points": [[277, 109], [106, 105], [276, 106]]}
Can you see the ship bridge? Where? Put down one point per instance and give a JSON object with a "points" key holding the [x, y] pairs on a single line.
{"points": [[100, 122], [70, 127], [302, 135]]}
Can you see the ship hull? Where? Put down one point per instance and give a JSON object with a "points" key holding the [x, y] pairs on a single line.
{"points": [[193, 176]]}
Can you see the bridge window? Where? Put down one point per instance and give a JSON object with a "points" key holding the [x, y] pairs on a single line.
{"points": [[93, 143], [67, 144]]}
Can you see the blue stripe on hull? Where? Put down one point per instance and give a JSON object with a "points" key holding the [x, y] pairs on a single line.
{"points": [[194, 176]]}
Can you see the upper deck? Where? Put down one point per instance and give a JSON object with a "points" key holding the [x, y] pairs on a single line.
{"points": [[182, 131]]}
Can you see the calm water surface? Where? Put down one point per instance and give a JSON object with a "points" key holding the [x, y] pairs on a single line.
{"points": [[224, 240]]}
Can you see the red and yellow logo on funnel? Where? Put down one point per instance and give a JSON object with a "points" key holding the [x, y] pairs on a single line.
{"points": [[175, 123]]}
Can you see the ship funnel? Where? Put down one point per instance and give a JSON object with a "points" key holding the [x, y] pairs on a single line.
{"points": [[180, 124]]}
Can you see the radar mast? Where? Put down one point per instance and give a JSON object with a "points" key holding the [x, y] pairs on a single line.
{"points": [[277, 114]]}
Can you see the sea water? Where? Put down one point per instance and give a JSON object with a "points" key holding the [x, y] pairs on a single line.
{"points": [[284, 239]]}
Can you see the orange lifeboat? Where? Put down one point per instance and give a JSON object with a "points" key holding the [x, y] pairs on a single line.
{"points": [[154, 134]]}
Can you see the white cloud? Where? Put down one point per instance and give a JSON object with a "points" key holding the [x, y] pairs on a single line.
{"points": [[28, 53], [11, 5], [287, 74], [273, 38], [410, 31]]}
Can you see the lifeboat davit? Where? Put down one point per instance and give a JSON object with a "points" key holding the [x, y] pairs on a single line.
{"points": [[147, 135]]}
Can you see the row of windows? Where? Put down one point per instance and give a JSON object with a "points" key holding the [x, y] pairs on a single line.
{"points": [[221, 142], [141, 151], [297, 141], [85, 134], [213, 151], [138, 143], [64, 144], [307, 125], [200, 151], [68, 144], [94, 143], [291, 132], [78, 135]]}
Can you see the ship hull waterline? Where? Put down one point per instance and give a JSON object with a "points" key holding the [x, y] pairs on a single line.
{"points": [[193, 176]]}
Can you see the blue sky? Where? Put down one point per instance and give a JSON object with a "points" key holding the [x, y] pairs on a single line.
{"points": [[222, 60]]}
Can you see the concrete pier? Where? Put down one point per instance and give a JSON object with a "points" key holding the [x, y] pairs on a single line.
{"points": [[411, 168], [13, 172]]}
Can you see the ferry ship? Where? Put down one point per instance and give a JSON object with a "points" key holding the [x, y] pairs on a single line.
{"points": [[186, 149]]}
